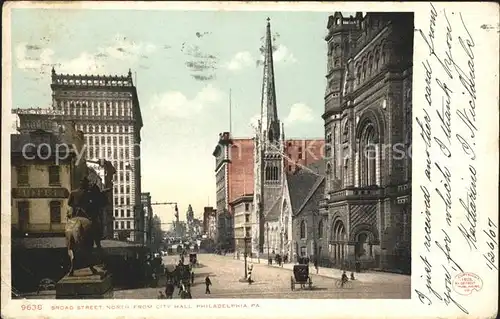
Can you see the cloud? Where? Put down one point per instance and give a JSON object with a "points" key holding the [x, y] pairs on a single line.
{"points": [[254, 121], [240, 60], [38, 60], [123, 49], [28, 60], [299, 112], [175, 104], [283, 54]]}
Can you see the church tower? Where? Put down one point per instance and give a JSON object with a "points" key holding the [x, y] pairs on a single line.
{"points": [[269, 148]]}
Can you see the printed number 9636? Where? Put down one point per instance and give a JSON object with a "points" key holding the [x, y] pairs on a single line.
{"points": [[31, 307]]}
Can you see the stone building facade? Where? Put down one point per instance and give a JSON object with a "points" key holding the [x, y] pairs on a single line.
{"points": [[242, 208], [41, 180], [106, 109], [368, 132]]}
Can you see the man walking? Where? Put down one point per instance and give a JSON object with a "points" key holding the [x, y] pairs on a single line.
{"points": [[208, 283]]}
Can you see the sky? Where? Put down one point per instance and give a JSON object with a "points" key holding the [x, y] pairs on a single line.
{"points": [[184, 63]]}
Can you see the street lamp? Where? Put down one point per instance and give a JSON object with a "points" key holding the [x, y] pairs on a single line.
{"points": [[267, 225], [246, 239]]}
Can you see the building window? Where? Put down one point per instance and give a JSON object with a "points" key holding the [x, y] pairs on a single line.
{"points": [[128, 200], [122, 213], [116, 225], [128, 190], [247, 207], [22, 176], [116, 212], [320, 229], [128, 212], [122, 225], [128, 224], [302, 229], [300, 155], [120, 140], [55, 212], [247, 218], [23, 208], [54, 178]]}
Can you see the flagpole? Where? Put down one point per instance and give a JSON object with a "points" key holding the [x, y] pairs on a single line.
{"points": [[230, 115]]}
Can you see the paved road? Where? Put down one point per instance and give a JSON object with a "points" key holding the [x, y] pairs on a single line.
{"points": [[270, 282]]}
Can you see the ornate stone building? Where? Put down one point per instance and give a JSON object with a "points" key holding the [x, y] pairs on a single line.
{"points": [[106, 109], [368, 132], [269, 161]]}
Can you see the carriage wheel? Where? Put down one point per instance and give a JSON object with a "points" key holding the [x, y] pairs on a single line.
{"points": [[292, 284]]}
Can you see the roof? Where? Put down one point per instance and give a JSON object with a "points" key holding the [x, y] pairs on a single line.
{"points": [[319, 167], [304, 184], [274, 212], [29, 143], [242, 199]]}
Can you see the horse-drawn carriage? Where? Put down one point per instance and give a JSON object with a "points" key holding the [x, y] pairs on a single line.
{"points": [[301, 276]]}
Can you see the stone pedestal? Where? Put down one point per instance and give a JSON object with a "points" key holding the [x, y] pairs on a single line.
{"points": [[85, 285]]}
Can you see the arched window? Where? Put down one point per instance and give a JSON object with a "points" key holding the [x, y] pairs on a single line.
{"points": [[302, 229], [370, 65], [377, 60], [383, 55], [364, 70], [328, 176], [320, 229], [268, 173], [346, 172], [345, 132], [368, 158], [358, 75]]}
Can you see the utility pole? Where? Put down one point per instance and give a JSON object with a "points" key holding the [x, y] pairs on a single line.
{"points": [[245, 256], [267, 224]]}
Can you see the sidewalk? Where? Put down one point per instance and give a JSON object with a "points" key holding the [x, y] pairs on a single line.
{"points": [[366, 276]]}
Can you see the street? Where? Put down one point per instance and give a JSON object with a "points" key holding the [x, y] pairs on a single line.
{"points": [[270, 282]]}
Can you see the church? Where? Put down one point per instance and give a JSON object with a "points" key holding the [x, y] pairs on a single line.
{"points": [[269, 167], [368, 125]]}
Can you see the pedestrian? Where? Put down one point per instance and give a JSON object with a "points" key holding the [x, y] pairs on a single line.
{"points": [[316, 264], [208, 283], [250, 268], [192, 278]]}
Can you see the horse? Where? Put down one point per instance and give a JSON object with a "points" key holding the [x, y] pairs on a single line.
{"points": [[80, 241], [81, 232]]}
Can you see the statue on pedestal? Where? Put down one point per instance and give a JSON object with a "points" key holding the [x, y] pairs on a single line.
{"points": [[83, 228]]}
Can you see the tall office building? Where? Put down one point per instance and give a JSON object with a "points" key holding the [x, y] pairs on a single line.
{"points": [[106, 109]]}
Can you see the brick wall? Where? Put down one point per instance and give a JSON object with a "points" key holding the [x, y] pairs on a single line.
{"points": [[241, 171]]}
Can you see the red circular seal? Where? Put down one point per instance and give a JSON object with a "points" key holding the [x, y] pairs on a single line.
{"points": [[465, 283]]}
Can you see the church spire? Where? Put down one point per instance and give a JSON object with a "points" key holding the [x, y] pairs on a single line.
{"points": [[270, 127]]}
